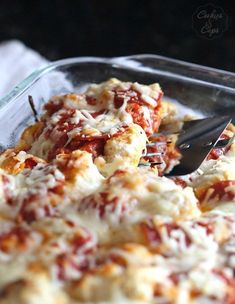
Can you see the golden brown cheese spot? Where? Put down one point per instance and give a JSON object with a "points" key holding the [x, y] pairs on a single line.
{"points": [[29, 135], [17, 239], [81, 175], [14, 161], [168, 113], [33, 288], [72, 164]]}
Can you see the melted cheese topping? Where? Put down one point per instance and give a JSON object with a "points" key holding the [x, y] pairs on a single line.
{"points": [[122, 151], [80, 222], [93, 115], [214, 171]]}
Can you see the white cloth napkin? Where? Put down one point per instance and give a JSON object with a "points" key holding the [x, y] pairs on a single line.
{"points": [[16, 62]]}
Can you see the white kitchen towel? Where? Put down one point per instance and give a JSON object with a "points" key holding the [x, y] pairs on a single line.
{"points": [[16, 62]]}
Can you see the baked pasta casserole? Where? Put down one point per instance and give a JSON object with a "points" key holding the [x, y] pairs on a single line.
{"points": [[82, 222]]}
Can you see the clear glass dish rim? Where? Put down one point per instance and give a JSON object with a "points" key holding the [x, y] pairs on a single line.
{"points": [[122, 61]]}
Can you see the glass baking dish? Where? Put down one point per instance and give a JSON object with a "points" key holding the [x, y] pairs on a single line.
{"points": [[201, 88]]}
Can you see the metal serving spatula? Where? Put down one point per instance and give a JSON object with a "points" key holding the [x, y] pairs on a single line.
{"points": [[195, 141]]}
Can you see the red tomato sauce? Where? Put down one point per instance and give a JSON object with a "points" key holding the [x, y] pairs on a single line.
{"points": [[220, 191], [217, 152], [135, 106]]}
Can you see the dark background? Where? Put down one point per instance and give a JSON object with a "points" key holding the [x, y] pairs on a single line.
{"points": [[59, 29]]}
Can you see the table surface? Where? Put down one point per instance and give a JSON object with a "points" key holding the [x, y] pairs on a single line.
{"points": [[59, 29]]}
